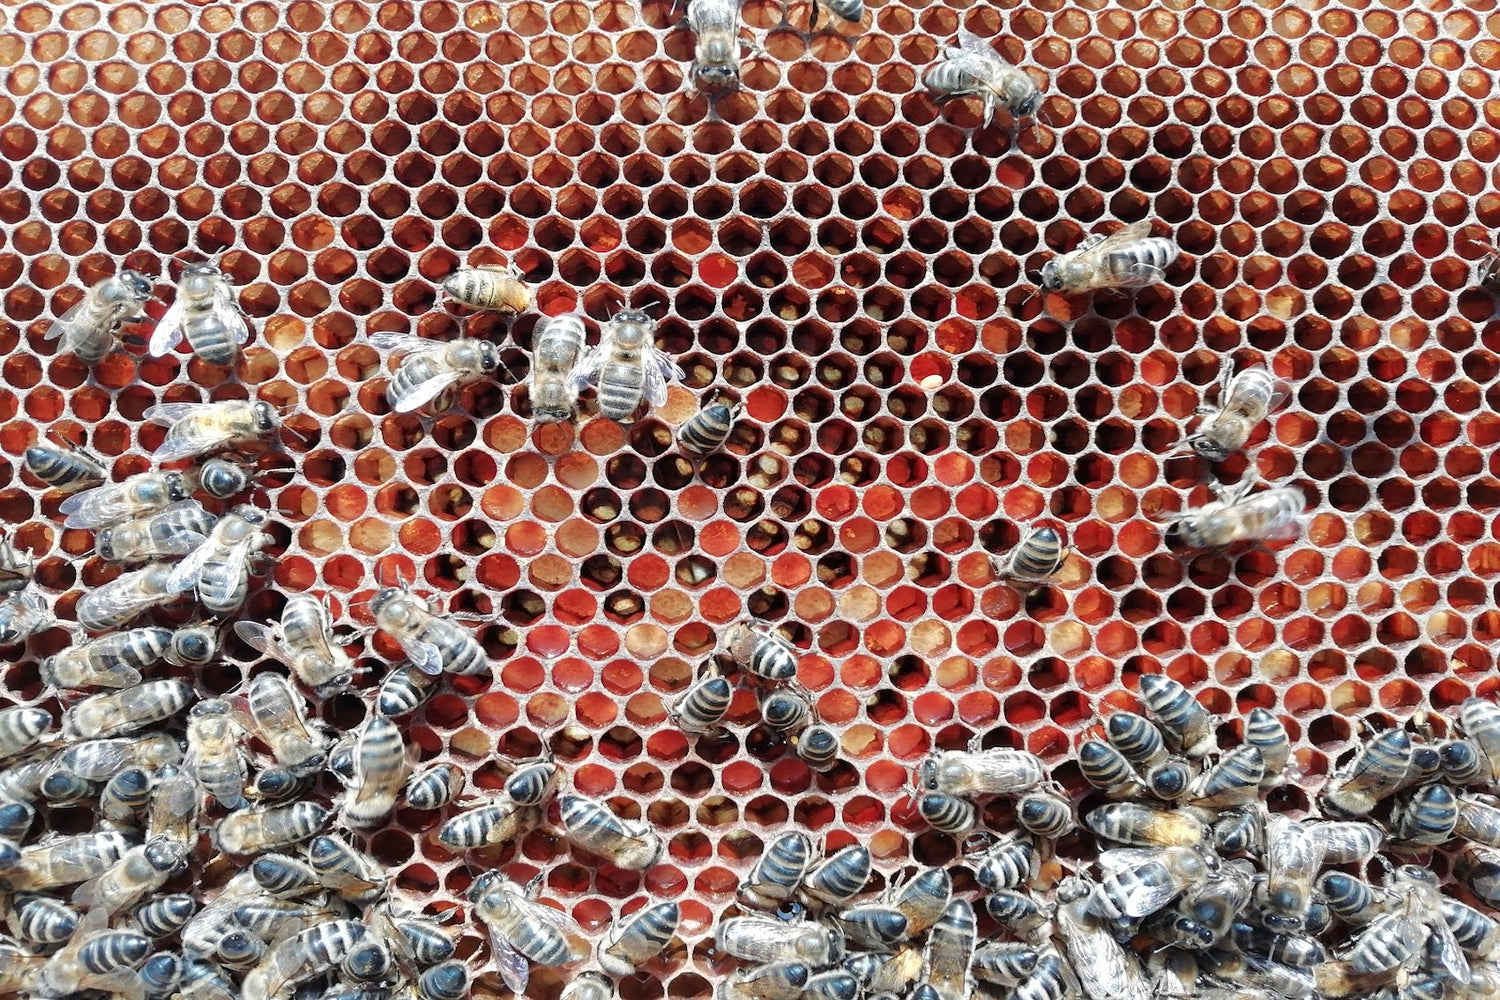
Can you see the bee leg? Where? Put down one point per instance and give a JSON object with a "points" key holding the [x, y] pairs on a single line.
{"points": [[812, 19]]}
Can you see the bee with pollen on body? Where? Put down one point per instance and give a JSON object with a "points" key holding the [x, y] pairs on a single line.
{"points": [[626, 365], [430, 368], [971, 68], [207, 313], [495, 287], [89, 328]]}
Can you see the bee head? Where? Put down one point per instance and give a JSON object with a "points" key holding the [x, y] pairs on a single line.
{"points": [[1052, 278], [489, 356], [136, 283], [177, 486], [1208, 448], [716, 76], [1026, 107]]}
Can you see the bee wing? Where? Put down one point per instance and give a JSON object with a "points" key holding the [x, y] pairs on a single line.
{"points": [[1131, 233], [424, 656], [1141, 275], [1450, 956], [1122, 858], [91, 509], [389, 341], [168, 414], [511, 964], [184, 575], [660, 369], [63, 323], [588, 368], [168, 332], [260, 637], [970, 42], [226, 309], [426, 392]]}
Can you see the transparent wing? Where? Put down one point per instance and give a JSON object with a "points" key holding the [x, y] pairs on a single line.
{"points": [[184, 575], [1122, 858], [425, 393], [970, 42], [511, 964], [1140, 275], [388, 341], [94, 508], [168, 333], [424, 656], [588, 368], [261, 638], [1131, 233], [1450, 956], [168, 414], [64, 323], [226, 309], [660, 370]]}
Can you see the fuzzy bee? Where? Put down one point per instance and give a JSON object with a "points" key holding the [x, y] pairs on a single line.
{"points": [[1236, 515], [1245, 399], [523, 931], [66, 467], [207, 313], [559, 342], [972, 68], [1131, 258], [628, 844], [716, 25], [304, 641], [626, 365], [430, 368], [175, 531], [1037, 557], [196, 428], [219, 569], [708, 429], [490, 286], [89, 328], [435, 645], [141, 495], [125, 597]]}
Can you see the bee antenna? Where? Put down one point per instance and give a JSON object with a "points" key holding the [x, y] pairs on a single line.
{"points": [[297, 434]]}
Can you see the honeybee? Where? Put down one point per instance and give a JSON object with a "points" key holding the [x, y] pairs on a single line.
{"points": [[175, 531], [16, 566], [626, 365], [253, 831], [21, 729], [1207, 910], [493, 823], [380, 771], [95, 958], [777, 873], [139, 872], [490, 286], [716, 26], [1037, 557], [22, 615], [636, 939], [219, 569], [173, 810], [88, 329], [703, 705], [435, 645], [139, 496], [223, 479], [100, 760], [434, 788], [1045, 813], [196, 428], [207, 312], [818, 747], [42, 920], [124, 797], [628, 844], [304, 642], [1103, 967], [921, 899], [66, 860], [559, 341], [522, 930], [998, 771], [950, 951], [338, 866], [128, 595], [1145, 826], [300, 957], [1237, 516], [708, 429], [1186, 725], [214, 752], [875, 926], [839, 878], [762, 653], [404, 690], [771, 981], [1005, 963], [67, 469], [766, 939], [1245, 399], [1233, 781], [948, 813], [1481, 724], [1131, 258], [1376, 772], [784, 709], [450, 981], [116, 713], [284, 876], [972, 68], [429, 368], [1140, 881], [276, 713], [1005, 864]]}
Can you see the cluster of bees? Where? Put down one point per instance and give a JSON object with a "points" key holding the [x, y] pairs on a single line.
{"points": [[1197, 890]]}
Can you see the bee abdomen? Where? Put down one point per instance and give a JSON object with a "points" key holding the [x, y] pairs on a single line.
{"points": [[620, 390], [1154, 251]]}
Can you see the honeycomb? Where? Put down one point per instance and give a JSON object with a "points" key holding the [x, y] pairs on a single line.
{"points": [[850, 260]]}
